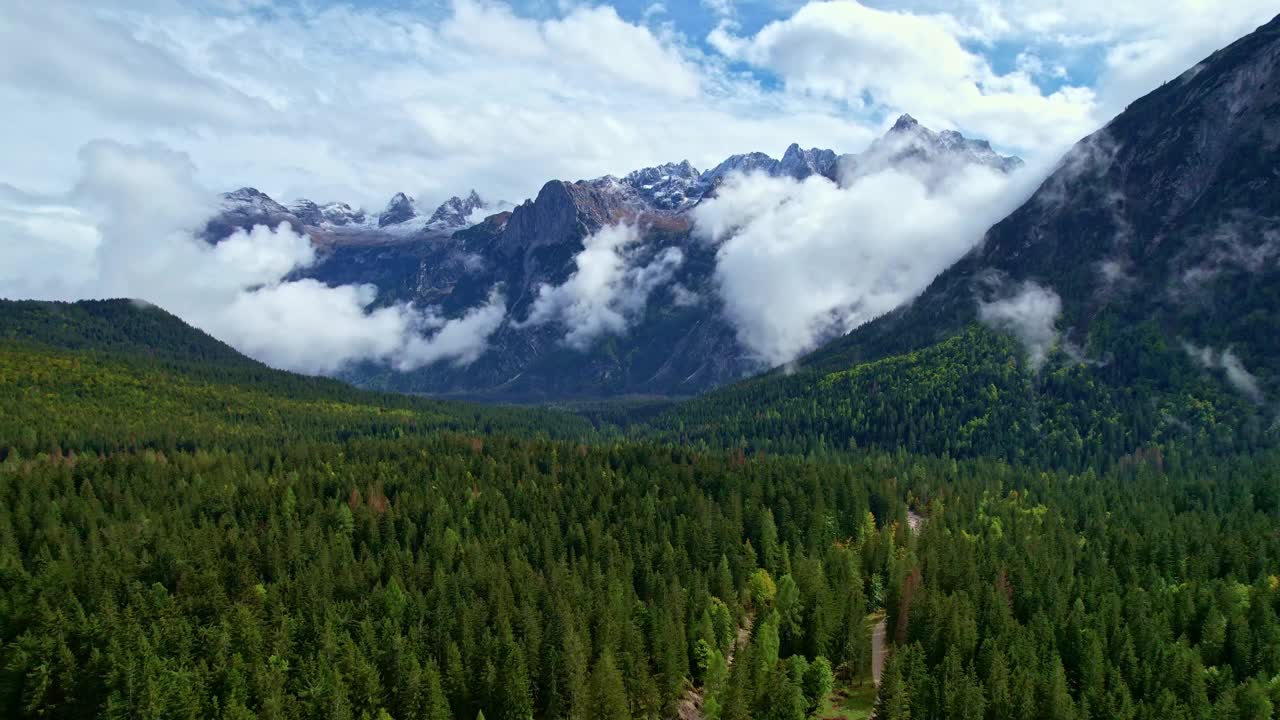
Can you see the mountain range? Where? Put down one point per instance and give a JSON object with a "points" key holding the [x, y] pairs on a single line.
{"points": [[678, 342], [1149, 252], [1130, 301], [1046, 487]]}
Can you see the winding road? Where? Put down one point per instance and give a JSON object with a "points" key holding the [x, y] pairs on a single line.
{"points": [[914, 522]]}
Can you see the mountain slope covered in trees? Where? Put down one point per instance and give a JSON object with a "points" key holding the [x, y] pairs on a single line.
{"points": [[133, 376], [1136, 290]]}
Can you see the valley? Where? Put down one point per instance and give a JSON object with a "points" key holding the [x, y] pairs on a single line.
{"points": [[842, 436]]}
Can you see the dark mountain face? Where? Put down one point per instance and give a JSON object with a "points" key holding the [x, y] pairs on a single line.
{"points": [[399, 210], [243, 209], [456, 211], [677, 340], [1169, 215], [1140, 282]]}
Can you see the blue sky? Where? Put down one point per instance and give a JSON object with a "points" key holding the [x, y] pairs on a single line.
{"points": [[356, 100]]}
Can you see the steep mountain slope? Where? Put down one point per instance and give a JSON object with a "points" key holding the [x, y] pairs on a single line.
{"points": [[1171, 213], [606, 290], [1142, 279]]}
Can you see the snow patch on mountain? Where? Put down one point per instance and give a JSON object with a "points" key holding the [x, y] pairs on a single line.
{"points": [[914, 148]]}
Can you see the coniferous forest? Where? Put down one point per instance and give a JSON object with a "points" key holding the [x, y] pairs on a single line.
{"points": [[191, 539], [911, 430]]}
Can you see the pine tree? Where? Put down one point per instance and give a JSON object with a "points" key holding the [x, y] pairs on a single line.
{"points": [[608, 692], [893, 701], [436, 702]]}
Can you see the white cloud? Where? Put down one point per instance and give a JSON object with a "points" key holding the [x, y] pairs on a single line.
{"points": [[1231, 365], [128, 229], [683, 297], [462, 340], [911, 62], [723, 9], [1030, 315], [337, 102], [609, 288], [798, 262], [354, 102], [1142, 43]]}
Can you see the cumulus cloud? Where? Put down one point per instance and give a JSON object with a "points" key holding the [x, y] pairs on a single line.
{"points": [[1030, 314], [917, 62], [329, 99], [609, 288], [462, 340], [800, 262], [1231, 365], [127, 229], [355, 102]]}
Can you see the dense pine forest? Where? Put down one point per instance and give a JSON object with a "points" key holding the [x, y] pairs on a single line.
{"points": [[973, 395], [183, 539], [913, 431]]}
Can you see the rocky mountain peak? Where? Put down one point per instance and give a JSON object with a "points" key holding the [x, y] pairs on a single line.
{"points": [[245, 208], [457, 212], [744, 163], [307, 211], [800, 164], [251, 199], [400, 209], [905, 123], [914, 147], [335, 214], [1168, 217], [668, 187], [796, 163]]}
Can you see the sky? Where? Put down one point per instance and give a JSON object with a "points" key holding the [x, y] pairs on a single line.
{"points": [[355, 101], [124, 120]]}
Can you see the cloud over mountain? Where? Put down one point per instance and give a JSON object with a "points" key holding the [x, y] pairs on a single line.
{"points": [[801, 262], [610, 285], [129, 229]]}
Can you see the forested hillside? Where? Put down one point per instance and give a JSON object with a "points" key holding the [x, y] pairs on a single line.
{"points": [[179, 544], [116, 375], [974, 395]]}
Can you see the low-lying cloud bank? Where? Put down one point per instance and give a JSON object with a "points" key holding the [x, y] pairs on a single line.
{"points": [[801, 262], [1031, 314], [1231, 365], [127, 229], [607, 291]]}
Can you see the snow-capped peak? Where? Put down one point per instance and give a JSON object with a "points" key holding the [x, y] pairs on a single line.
{"points": [[915, 148], [905, 123], [457, 212], [333, 214], [745, 163], [400, 209], [669, 187], [251, 199], [800, 164]]}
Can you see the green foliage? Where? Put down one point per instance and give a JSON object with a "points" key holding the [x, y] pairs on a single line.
{"points": [[818, 680], [306, 562], [763, 588], [198, 536], [971, 395]]}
